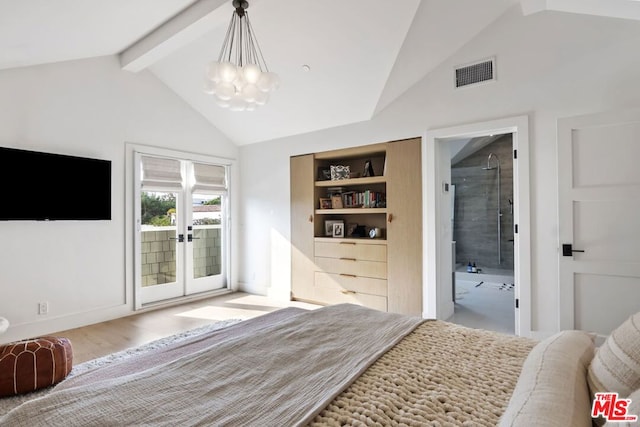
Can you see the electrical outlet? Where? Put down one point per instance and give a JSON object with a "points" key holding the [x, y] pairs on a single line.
{"points": [[43, 307]]}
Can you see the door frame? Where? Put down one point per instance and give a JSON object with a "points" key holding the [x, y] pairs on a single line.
{"points": [[132, 291], [437, 257]]}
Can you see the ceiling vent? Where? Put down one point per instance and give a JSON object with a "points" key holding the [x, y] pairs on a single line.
{"points": [[478, 72]]}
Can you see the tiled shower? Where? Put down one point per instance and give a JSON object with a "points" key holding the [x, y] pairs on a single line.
{"points": [[475, 209]]}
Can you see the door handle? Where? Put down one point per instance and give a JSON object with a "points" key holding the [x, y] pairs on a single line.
{"points": [[180, 238], [567, 249], [190, 238]]}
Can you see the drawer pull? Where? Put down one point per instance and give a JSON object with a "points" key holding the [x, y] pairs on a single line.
{"points": [[348, 275], [390, 218], [348, 243], [346, 292], [348, 259], [310, 218]]}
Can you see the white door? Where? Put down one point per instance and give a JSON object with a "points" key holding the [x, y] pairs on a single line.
{"points": [[181, 228], [599, 220]]}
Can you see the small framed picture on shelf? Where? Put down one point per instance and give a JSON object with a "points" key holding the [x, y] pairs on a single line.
{"points": [[351, 228], [325, 203], [324, 173], [368, 169], [328, 226], [338, 229], [336, 202]]}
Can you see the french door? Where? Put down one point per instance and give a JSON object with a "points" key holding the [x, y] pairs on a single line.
{"points": [[182, 232]]}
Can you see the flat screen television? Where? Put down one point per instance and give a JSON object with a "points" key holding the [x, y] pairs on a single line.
{"points": [[53, 187]]}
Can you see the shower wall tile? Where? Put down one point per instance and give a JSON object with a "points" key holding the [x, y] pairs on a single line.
{"points": [[475, 227]]}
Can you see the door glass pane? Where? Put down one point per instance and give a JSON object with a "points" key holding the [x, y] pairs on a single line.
{"points": [[207, 235], [159, 235]]}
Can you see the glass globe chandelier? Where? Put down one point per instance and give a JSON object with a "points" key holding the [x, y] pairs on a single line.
{"points": [[239, 79]]}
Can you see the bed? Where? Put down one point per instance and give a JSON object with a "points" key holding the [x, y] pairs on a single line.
{"points": [[337, 365]]}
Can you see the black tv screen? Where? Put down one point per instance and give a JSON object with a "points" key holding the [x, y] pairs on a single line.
{"points": [[51, 187]]}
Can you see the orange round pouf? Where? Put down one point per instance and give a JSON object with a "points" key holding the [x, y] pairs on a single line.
{"points": [[33, 364]]}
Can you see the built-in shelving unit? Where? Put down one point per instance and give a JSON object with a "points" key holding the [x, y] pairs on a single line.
{"points": [[345, 263]]}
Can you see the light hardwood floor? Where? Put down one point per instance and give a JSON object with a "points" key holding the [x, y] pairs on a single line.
{"points": [[100, 339]]}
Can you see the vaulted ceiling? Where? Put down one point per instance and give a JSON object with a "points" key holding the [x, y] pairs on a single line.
{"points": [[361, 54]]}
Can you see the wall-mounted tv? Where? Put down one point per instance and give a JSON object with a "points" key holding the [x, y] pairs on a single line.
{"points": [[52, 187]]}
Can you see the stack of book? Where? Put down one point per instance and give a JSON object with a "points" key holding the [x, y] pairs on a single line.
{"points": [[364, 199]]}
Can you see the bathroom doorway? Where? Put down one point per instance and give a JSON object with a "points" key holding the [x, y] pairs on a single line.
{"points": [[438, 236], [482, 221]]}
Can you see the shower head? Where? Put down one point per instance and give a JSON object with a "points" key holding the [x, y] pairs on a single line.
{"points": [[489, 167]]}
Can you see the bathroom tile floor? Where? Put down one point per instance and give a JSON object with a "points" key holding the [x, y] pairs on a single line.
{"points": [[489, 305]]}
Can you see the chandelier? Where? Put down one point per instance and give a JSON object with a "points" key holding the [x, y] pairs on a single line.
{"points": [[239, 79]]}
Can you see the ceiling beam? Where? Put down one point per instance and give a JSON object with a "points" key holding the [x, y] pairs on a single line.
{"points": [[623, 9], [188, 25]]}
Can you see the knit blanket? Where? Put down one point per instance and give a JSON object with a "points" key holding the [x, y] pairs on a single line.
{"points": [[441, 374], [283, 374]]}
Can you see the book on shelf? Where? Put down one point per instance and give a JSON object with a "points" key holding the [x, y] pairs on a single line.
{"points": [[363, 199]]}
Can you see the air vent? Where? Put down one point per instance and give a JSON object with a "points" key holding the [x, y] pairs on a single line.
{"points": [[478, 72]]}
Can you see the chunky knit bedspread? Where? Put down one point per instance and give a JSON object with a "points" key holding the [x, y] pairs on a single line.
{"points": [[441, 374]]}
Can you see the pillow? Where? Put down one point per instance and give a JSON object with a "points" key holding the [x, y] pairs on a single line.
{"points": [[616, 365], [552, 387], [632, 409]]}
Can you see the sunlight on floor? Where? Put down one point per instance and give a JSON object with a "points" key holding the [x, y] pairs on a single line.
{"points": [[241, 307]]}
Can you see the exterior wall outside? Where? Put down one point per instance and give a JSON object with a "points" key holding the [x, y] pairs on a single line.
{"points": [[158, 256], [207, 251], [475, 227]]}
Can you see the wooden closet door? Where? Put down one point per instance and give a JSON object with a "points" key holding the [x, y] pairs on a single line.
{"points": [[302, 228], [404, 226]]}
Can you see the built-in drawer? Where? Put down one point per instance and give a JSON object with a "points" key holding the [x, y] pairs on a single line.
{"points": [[360, 250], [352, 266], [348, 282], [334, 296]]}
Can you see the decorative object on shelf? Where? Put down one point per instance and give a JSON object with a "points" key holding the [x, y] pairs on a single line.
{"points": [[338, 229], [333, 191], [324, 174], [336, 202], [368, 169], [339, 172], [360, 231], [375, 233], [351, 228], [325, 203], [240, 79], [4, 324], [328, 226]]}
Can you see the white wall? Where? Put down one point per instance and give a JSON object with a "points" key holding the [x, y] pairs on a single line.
{"points": [[87, 108], [549, 65]]}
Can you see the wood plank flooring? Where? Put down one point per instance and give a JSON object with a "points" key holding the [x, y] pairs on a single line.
{"points": [[100, 339]]}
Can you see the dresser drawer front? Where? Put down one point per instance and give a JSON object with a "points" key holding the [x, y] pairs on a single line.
{"points": [[334, 296], [358, 250], [377, 270], [345, 282]]}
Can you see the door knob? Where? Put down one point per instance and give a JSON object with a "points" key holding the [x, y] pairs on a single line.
{"points": [[180, 238], [567, 249]]}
